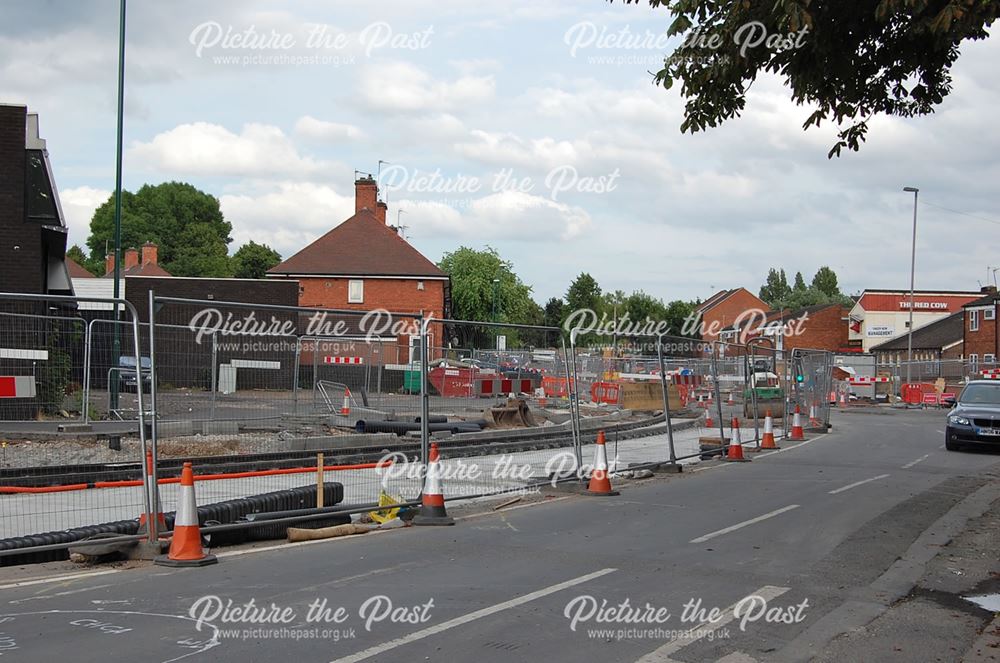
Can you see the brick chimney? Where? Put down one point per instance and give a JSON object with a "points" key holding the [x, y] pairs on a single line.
{"points": [[109, 264], [988, 290], [131, 259], [149, 254], [365, 194], [380, 210]]}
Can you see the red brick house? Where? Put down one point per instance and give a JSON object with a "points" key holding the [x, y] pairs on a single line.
{"points": [[981, 335], [819, 327], [724, 309], [363, 264]]}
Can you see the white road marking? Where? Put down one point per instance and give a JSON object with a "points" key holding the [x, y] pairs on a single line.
{"points": [[470, 617], [856, 484], [662, 654], [44, 581], [513, 508], [914, 462], [42, 597], [733, 528]]}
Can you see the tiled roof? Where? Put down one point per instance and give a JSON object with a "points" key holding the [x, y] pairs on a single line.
{"points": [[934, 336], [76, 271], [360, 246]]}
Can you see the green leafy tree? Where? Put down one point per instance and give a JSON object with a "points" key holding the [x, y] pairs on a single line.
{"points": [[677, 313], [776, 288], [192, 234], [800, 283], [825, 281], [846, 61], [554, 312], [252, 260], [472, 294], [584, 293]]}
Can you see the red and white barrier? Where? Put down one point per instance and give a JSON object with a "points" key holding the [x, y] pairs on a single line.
{"points": [[17, 386], [861, 381], [343, 360]]}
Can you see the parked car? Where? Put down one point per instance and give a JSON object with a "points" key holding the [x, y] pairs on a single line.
{"points": [[127, 374], [974, 419]]}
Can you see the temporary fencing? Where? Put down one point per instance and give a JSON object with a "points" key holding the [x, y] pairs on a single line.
{"points": [[283, 409]]}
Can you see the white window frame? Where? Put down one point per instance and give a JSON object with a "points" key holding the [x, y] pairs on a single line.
{"points": [[990, 314], [973, 362], [989, 359], [355, 296], [973, 321]]}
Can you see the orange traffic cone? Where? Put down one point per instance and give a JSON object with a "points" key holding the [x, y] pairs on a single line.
{"points": [[735, 451], [767, 442], [432, 511], [797, 433], [542, 400], [730, 401], [345, 409], [701, 402], [813, 417], [843, 399], [709, 422], [185, 546], [600, 483], [154, 499]]}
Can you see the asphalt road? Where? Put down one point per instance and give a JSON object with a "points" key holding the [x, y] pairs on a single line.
{"points": [[828, 532]]}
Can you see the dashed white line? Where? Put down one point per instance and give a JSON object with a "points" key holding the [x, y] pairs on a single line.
{"points": [[856, 484], [470, 617], [662, 654], [914, 462], [60, 578], [733, 528]]}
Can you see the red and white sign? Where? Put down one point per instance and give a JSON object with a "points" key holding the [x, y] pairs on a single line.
{"points": [[931, 399], [17, 386], [343, 360], [861, 380]]}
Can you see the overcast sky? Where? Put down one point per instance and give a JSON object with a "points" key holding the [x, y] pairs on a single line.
{"points": [[555, 151]]}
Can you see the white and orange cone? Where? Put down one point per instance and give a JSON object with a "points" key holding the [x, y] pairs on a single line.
{"points": [[767, 441], [730, 401], [345, 409], [735, 451], [432, 511], [701, 402], [154, 499], [600, 482], [833, 397], [709, 422], [813, 416], [185, 545], [797, 433], [843, 399]]}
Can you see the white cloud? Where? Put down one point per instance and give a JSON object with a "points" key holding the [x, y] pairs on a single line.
{"points": [[508, 215], [79, 204], [201, 148], [286, 216], [403, 87], [508, 149], [321, 130]]}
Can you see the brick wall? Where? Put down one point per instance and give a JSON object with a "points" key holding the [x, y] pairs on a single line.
{"points": [[983, 341], [21, 255], [825, 329], [724, 314]]}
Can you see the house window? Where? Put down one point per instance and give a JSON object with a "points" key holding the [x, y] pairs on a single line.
{"points": [[973, 363], [973, 320], [990, 314], [355, 291], [420, 285], [989, 360]]}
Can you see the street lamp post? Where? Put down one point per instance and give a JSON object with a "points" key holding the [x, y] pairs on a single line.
{"points": [[116, 344], [913, 266]]}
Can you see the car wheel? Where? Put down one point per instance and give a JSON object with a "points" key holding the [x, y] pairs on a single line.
{"points": [[952, 446]]}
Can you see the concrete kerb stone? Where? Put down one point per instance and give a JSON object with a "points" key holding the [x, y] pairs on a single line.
{"points": [[219, 428], [324, 442], [174, 428]]}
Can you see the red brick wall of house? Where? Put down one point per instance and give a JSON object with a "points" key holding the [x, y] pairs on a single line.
{"points": [[394, 295], [984, 341], [824, 330], [725, 314]]}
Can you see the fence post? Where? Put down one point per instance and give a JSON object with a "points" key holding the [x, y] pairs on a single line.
{"points": [[215, 371], [714, 366], [666, 399], [88, 340], [295, 375], [425, 433], [572, 390], [153, 489]]}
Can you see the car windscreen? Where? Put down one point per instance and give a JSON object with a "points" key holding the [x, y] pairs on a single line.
{"points": [[981, 394]]}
